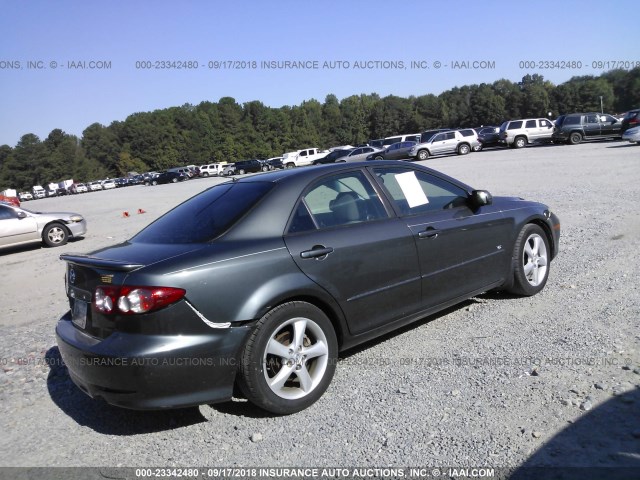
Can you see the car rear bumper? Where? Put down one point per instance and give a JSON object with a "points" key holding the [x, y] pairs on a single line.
{"points": [[147, 372]]}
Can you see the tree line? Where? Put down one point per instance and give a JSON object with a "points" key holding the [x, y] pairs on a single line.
{"points": [[228, 131]]}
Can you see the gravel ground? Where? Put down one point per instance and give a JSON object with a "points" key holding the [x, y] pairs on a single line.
{"points": [[496, 381]]}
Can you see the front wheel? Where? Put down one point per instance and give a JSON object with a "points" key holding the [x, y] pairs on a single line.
{"points": [[55, 235], [530, 262], [423, 155], [289, 359], [290, 165], [379, 157]]}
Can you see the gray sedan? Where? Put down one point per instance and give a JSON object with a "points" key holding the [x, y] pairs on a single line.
{"points": [[20, 226], [260, 282], [359, 154]]}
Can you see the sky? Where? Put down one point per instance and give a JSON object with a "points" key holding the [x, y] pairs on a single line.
{"points": [[68, 64]]}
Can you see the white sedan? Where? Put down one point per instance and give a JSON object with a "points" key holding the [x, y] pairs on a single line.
{"points": [[21, 226]]}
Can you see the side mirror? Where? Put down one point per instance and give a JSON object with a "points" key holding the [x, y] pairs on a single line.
{"points": [[480, 198], [21, 215]]}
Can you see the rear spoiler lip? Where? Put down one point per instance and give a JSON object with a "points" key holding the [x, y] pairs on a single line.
{"points": [[87, 260]]}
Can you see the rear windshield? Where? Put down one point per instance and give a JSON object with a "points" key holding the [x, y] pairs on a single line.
{"points": [[205, 216]]}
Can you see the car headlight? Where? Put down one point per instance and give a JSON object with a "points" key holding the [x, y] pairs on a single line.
{"points": [[75, 218]]}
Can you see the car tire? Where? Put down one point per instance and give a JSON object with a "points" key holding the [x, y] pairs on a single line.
{"points": [[54, 235], [241, 171], [575, 138], [477, 148], [174, 180], [274, 364], [464, 149], [378, 157], [530, 262], [265, 169], [422, 154], [205, 174], [519, 142], [154, 183], [290, 165]]}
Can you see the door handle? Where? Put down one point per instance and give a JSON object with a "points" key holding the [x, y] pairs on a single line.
{"points": [[430, 232], [317, 252]]}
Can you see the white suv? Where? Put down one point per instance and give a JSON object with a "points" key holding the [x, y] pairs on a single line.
{"points": [[212, 169], [444, 143], [519, 133]]}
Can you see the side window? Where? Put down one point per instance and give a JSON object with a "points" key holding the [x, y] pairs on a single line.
{"points": [[416, 192], [450, 135], [530, 124], [6, 213], [545, 123], [515, 125], [303, 153], [438, 138], [357, 151], [592, 119], [342, 199]]}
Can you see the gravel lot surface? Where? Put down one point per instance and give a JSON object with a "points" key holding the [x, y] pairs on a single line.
{"points": [[497, 381]]}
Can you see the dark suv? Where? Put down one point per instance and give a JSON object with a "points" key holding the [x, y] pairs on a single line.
{"points": [[247, 166], [576, 127], [631, 119]]}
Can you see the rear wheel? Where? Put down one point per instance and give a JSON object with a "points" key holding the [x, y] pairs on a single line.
{"points": [[174, 180], [531, 259], [241, 171], [289, 359], [55, 235], [463, 149], [154, 183], [520, 142], [575, 138]]}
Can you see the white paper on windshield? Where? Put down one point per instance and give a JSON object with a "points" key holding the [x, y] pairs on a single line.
{"points": [[411, 188]]}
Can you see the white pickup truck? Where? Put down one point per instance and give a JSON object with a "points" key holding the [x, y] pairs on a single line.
{"points": [[302, 158]]}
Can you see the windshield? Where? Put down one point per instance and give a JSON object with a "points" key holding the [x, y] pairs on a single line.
{"points": [[205, 216]]}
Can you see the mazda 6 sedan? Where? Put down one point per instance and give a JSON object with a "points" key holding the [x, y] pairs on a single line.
{"points": [[260, 282], [19, 226]]}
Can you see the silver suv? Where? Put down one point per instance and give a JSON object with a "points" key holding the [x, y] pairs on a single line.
{"points": [[444, 143], [519, 133]]}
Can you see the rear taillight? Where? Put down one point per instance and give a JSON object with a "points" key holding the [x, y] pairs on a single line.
{"points": [[131, 300]]}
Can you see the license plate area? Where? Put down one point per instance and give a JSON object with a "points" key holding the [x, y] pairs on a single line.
{"points": [[80, 301], [79, 313]]}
